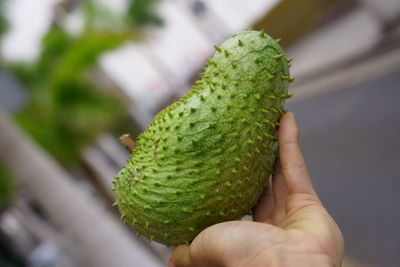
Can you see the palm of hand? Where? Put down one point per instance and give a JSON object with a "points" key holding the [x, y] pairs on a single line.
{"points": [[291, 227]]}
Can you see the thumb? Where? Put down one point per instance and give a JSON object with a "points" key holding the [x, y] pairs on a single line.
{"points": [[304, 209], [302, 197], [302, 205], [293, 167]]}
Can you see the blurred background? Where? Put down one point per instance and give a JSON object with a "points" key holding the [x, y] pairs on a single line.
{"points": [[76, 74]]}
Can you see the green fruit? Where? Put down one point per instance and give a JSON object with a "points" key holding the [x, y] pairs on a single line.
{"points": [[207, 158]]}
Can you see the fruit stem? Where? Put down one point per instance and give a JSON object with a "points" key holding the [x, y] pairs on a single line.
{"points": [[127, 141]]}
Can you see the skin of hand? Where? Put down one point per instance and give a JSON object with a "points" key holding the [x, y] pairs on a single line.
{"points": [[291, 227]]}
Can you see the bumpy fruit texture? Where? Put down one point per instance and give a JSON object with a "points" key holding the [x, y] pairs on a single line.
{"points": [[207, 158]]}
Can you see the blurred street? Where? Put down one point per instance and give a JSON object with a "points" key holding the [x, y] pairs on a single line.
{"points": [[350, 140]]}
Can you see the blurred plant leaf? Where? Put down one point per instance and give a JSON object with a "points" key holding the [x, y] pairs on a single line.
{"points": [[7, 186], [3, 20], [98, 16], [67, 108], [141, 13]]}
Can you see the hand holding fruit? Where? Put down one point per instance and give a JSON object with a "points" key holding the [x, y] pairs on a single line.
{"points": [[291, 227]]}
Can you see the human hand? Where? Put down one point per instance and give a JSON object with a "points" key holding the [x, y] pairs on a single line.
{"points": [[291, 227]]}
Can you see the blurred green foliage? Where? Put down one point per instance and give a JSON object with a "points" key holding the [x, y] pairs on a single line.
{"points": [[68, 108], [3, 21], [140, 13], [7, 186]]}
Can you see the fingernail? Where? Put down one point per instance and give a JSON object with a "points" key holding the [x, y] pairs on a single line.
{"points": [[291, 116], [171, 264]]}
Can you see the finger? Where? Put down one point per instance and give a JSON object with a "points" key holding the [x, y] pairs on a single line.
{"points": [[226, 244], [292, 162], [209, 248], [280, 188], [180, 257], [281, 194], [262, 212]]}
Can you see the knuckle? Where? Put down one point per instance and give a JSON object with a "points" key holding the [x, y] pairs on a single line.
{"points": [[288, 166], [301, 201]]}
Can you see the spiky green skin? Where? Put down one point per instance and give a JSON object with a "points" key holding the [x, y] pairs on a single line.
{"points": [[207, 157]]}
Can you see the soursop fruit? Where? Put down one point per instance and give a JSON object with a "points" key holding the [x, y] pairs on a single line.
{"points": [[207, 158]]}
